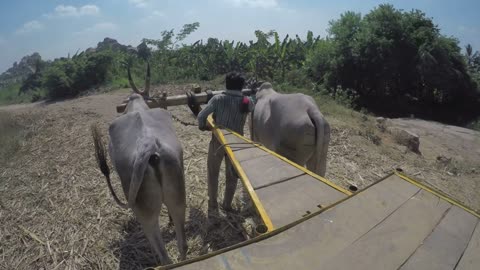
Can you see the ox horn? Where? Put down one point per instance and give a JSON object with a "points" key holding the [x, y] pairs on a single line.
{"points": [[130, 80], [146, 92]]}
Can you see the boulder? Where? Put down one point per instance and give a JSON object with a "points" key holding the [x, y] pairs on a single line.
{"points": [[381, 123], [406, 138]]}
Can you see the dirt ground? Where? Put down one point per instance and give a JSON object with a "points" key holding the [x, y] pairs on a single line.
{"points": [[56, 211]]}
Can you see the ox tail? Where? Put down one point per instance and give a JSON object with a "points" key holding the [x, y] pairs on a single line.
{"points": [[101, 156], [147, 154], [322, 140]]}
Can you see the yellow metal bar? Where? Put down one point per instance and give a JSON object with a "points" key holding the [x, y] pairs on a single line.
{"points": [[268, 234], [294, 223], [436, 193], [303, 169], [246, 182]]}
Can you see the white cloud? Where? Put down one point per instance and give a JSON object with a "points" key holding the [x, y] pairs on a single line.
{"points": [[66, 10], [139, 3], [89, 10], [104, 27], [30, 26], [71, 11], [255, 3]]}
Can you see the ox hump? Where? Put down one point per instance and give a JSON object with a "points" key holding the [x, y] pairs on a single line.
{"points": [[265, 85]]}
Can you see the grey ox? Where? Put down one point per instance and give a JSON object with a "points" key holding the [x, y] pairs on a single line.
{"points": [[149, 161], [292, 126]]}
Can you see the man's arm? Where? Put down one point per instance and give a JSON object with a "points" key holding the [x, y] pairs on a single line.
{"points": [[202, 116]]}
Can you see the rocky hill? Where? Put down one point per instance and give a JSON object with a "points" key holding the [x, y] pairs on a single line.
{"points": [[110, 43], [20, 70]]}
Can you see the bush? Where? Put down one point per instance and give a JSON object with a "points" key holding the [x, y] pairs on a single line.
{"points": [[58, 83], [475, 125], [396, 62], [68, 77]]}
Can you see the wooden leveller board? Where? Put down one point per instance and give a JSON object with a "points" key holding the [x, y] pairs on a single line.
{"points": [[396, 223], [282, 191], [393, 224]]}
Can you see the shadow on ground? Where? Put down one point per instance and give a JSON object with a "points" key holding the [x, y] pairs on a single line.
{"points": [[134, 251]]}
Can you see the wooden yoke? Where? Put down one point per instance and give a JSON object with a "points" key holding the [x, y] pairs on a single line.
{"points": [[164, 101]]}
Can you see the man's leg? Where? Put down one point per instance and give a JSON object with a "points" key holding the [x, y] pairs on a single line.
{"points": [[230, 184], [213, 163]]}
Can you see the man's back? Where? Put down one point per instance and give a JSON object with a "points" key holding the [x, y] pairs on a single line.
{"points": [[226, 109]]}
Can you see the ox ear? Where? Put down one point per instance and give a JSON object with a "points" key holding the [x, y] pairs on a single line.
{"points": [[264, 85], [147, 81], [258, 84], [130, 80]]}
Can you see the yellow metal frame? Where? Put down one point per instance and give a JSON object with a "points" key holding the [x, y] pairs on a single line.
{"points": [[241, 173], [307, 217], [268, 234], [436, 193], [246, 182], [303, 169]]}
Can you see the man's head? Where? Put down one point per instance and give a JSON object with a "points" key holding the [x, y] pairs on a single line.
{"points": [[235, 81]]}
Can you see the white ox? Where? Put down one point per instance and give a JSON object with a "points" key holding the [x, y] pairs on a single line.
{"points": [[149, 161], [292, 126]]}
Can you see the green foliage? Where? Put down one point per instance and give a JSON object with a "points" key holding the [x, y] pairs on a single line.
{"points": [[68, 77], [10, 94], [143, 51], [475, 125], [395, 62], [388, 61], [187, 30]]}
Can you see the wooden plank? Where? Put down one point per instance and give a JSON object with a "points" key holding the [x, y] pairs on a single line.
{"points": [[249, 154], [288, 201], [267, 170], [221, 262], [235, 142], [201, 98], [471, 256], [323, 237], [445, 245], [390, 243], [309, 244]]}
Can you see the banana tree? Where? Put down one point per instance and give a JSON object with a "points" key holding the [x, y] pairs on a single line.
{"points": [[280, 51]]}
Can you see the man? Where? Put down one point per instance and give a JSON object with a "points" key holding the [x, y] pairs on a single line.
{"points": [[230, 111]]}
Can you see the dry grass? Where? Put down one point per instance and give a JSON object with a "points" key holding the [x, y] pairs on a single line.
{"points": [[14, 130], [56, 211]]}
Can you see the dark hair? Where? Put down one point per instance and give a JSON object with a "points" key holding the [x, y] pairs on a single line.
{"points": [[235, 81]]}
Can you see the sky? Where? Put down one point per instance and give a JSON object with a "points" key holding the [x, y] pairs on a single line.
{"points": [[55, 28]]}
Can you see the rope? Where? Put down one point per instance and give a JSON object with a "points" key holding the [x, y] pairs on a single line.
{"points": [[183, 122]]}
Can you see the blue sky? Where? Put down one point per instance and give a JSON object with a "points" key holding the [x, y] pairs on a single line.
{"points": [[55, 28]]}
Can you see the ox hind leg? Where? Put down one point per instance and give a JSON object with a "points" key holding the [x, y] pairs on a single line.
{"points": [[147, 209], [148, 218], [173, 189], [318, 160]]}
